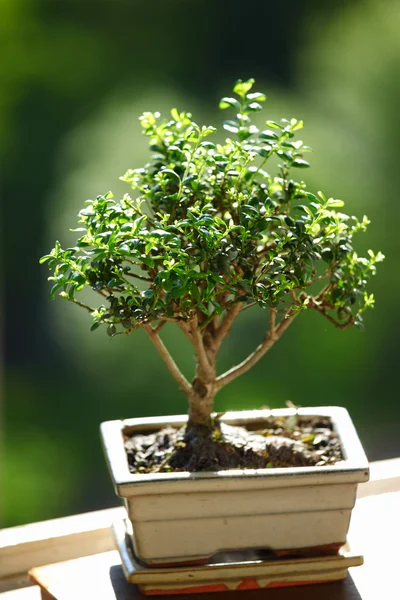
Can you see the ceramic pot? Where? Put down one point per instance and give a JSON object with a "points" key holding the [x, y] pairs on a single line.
{"points": [[188, 517]]}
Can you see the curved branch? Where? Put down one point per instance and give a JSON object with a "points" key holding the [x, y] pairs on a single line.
{"points": [[274, 333], [246, 306], [138, 276], [342, 326], [316, 304], [227, 323], [168, 360], [159, 326], [197, 340], [185, 328], [88, 308], [315, 280]]}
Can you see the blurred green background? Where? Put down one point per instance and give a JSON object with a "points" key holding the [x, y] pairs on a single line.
{"points": [[75, 75]]}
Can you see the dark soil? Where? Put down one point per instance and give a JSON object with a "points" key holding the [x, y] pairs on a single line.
{"points": [[282, 442]]}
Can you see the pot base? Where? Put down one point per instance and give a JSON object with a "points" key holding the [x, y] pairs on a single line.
{"points": [[231, 571], [311, 552], [325, 550]]}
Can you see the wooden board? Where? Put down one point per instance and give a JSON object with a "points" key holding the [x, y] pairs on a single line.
{"points": [[101, 577], [28, 593], [27, 546]]}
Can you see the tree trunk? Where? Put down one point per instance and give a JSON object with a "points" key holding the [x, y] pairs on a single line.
{"points": [[201, 405], [201, 400]]}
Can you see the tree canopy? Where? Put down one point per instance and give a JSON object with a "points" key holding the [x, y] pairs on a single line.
{"points": [[208, 227]]}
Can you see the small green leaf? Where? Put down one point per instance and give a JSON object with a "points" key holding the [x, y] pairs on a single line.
{"points": [[300, 163], [295, 124], [207, 130], [194, 290], [335, 203], [111, 330], [229, 102], [265, 152], [242, 87], [175, 114], [267, 134], [252, 107], [45, 258], [257, 96], [273, 125], [231, 126], [147, 260]]}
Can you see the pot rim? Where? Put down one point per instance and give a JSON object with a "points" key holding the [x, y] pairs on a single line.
{"points": [[354, 467]]}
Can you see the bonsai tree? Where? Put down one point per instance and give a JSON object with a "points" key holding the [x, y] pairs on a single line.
{"points": [[208, 233]]}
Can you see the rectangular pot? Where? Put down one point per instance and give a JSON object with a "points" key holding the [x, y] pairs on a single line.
{"points": [[188, 517]]}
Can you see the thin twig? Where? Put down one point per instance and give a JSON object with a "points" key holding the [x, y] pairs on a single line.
{"points": [[138, 277], [178, 319], [210, 318], [342, 326], [168, 360], [321, 307], [186, 329], [82, 305], [323, 291], [246, 306], [227, 323], [319, 278], [268, 246], [159, 326], [198, 343]]}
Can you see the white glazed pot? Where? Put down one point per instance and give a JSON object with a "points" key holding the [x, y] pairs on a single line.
{"points": [[188, 517]]}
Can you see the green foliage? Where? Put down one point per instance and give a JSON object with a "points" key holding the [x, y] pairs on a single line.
{"points": [[207, 227]]}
